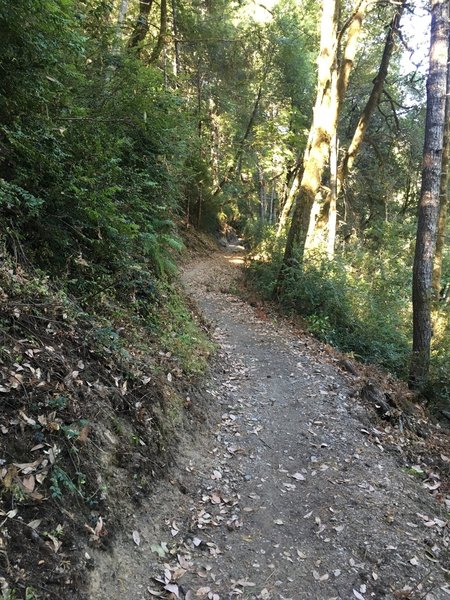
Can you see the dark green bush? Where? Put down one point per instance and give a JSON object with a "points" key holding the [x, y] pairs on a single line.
{"points": [[93, 157]]}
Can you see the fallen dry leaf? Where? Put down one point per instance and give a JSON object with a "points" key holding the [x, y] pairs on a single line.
{"points": [[156, 593], [34, 524], [29, 483], [173, 589], [136, 538]]}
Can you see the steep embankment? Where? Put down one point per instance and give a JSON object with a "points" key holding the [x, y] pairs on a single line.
{"points": [[92, 405], [293, 490]]}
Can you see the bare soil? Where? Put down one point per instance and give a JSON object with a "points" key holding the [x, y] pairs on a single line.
{"points": [[291, 489]]}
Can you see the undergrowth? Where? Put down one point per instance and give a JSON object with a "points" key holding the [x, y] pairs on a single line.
{"points": [[359, 302], [341, 309]]}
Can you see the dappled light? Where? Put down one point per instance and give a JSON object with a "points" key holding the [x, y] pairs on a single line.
{"points": [[236, 260], [224, 299]]}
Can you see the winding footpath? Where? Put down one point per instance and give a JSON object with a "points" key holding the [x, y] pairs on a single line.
{"points": [[288, 492]]}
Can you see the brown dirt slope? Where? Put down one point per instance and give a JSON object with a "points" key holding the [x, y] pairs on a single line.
{"points": [[90, 410]]}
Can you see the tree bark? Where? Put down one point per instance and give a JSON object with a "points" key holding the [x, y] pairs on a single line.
{"points": [[348, 160], [332, 85], [332, 210], [117, 42], [123, 9], [160, 42], [346, 163], [141, 26], [289, 202], [429, 195], [176, 41], [443, 194], [262, 195], [316, 152]]}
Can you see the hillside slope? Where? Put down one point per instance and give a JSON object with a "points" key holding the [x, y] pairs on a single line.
{"points": [[93, 403]]}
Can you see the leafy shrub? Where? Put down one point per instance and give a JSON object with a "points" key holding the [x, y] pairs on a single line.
{"points": [[93, 160], [17, 201], [345, 306]]}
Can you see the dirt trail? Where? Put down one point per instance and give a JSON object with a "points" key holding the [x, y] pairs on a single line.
{"points": [[292, 493]]}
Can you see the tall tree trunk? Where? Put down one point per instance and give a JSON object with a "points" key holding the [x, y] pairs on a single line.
{"points": [[117, 42], [214, 160], [429, 195], [443, 203], [236, 164], [293, 177], [160, 42], [262, 195], [141, 26], [272, 204], [346, 163], [348, 160], [331, 90], [332, 210], [316, 153], [176, 41], [123, 9]]}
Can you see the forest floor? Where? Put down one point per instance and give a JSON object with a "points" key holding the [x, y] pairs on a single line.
{"points": [[291, 489]]}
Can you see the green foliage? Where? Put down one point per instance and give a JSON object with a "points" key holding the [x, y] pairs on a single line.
{"points": [[60, 481], [358, 306], [15, 200], [92, 158], [31, 594], [58, 403], [439, 385], [73, 431], [180, 334]]}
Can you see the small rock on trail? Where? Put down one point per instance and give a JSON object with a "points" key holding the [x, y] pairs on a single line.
{"points": [[289, 495]]}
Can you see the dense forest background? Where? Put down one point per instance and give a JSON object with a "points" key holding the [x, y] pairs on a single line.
{"points": [[125, 123]]}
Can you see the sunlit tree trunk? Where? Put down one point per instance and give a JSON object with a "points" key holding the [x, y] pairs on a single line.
{"points": [[176, 42], [287, 206], [215, 131], [117, 41], [348, 159], [262, 195], [443, 204], [317, 150], [330, 93], [332, 210], [272, 204], [378, 84], [123, 9], [429, 195]]}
